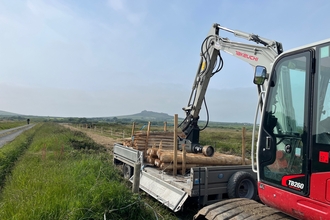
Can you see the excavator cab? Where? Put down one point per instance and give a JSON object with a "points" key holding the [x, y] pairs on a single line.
{"points": [[294, 137]]}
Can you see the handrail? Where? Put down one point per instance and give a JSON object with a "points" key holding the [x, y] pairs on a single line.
{"points": [[253, 132]]}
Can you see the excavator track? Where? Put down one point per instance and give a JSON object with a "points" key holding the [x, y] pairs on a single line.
{"points": [[239, 209]]}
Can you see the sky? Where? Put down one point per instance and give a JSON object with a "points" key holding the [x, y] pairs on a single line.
{"points": [[106, 58]]}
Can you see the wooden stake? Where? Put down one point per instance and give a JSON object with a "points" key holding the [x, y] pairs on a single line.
{"points": [[136, 178], [183, 160], [133, 128], [175, 145], [147, 139], [161, 144], [165, 126], [243, 146]]}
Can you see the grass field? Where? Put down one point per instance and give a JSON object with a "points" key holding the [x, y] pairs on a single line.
{"points": [[63, 175], [51, 172], [5, 124]]}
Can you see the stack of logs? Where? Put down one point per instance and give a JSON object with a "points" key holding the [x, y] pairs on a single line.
{"points": [[164, 159], [144, 140], [158, 150]]}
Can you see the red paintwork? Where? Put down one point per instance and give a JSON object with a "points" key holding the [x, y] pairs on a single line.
{"points": [[323, 157], [316, 206]]}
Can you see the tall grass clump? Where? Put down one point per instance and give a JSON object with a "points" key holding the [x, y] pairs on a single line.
{"points": [[65, 175]]}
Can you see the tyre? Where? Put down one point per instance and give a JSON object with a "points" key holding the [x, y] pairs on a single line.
{"points": [[127, 171], [242, 185]]}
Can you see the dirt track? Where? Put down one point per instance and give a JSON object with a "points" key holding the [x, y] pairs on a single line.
{"points": [[107, 142]]}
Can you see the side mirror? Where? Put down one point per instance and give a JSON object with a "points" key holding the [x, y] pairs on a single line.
{"points": [[260, 74]]}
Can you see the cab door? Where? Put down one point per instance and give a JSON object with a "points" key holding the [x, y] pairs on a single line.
{"points": [[283, 140]]}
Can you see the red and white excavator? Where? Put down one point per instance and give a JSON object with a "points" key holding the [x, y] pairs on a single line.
{"points": [[292, 155]]}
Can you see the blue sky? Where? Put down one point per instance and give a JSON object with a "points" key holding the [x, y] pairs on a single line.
{"points": [[118, 57]]}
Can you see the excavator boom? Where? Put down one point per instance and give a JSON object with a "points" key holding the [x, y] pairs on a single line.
{"points": [[211, 62]]}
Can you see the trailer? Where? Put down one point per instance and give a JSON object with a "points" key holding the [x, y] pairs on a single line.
{"points": [[205, 184]]}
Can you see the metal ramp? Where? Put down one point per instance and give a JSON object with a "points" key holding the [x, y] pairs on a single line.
{"points": [[167, 194]]}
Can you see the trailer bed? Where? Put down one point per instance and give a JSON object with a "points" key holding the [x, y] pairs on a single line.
{"points": [[207, 183]]}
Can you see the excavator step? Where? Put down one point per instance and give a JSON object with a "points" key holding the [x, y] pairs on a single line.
{"points": [[239, 209]]}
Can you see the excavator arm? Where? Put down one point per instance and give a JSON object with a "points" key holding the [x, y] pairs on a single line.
{"points": [[210, 63]]}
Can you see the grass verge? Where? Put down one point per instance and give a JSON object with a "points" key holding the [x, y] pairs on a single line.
{"points": [[62, 177], [11, 124]]}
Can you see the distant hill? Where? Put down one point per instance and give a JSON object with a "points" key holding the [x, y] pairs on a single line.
{"points": [[148, 115], [4, 113]]}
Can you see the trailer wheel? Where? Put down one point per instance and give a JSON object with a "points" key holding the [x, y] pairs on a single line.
{"points": [[242, 185], [127, 171]]}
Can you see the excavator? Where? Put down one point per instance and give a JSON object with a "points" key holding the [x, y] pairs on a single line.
{"points": [[211, 63], [292, 155]]}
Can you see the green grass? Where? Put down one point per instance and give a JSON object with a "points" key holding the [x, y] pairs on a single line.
{"points": [[63, 174], [227, 140], [11, 124], [62, 177], [12, 151]]}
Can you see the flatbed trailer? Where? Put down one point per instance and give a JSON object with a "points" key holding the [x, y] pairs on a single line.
{"points": [[206, 184]]}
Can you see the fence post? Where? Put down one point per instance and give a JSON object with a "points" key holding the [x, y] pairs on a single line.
{"points": [[136, 177], [243, 146], [175, 146], [147, 140], [133, 128]]}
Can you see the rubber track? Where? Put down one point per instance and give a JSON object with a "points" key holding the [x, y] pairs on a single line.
{"points": [[239, 209]]}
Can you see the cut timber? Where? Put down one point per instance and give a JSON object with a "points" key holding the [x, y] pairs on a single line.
{"points": [[166, 151], [157, 162], [151, 160], [216, 159], [152, 152], [160, 138], [169, 166]]}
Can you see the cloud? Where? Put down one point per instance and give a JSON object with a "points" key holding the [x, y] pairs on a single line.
{"points": [[123, 9], [117, 5]]}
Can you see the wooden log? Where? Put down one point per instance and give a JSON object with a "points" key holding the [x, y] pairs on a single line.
{"points": [[157, 162], [216, 159], [141, 133], [164, 135], [154, 143], [166, 151], [150, 160], [152, 152], [169, 166]]}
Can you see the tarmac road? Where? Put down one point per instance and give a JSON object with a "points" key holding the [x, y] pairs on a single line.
{"points": [[10, 134]]}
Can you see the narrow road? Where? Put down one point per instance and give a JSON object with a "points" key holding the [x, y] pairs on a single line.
{"points": [[10, 134]]}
